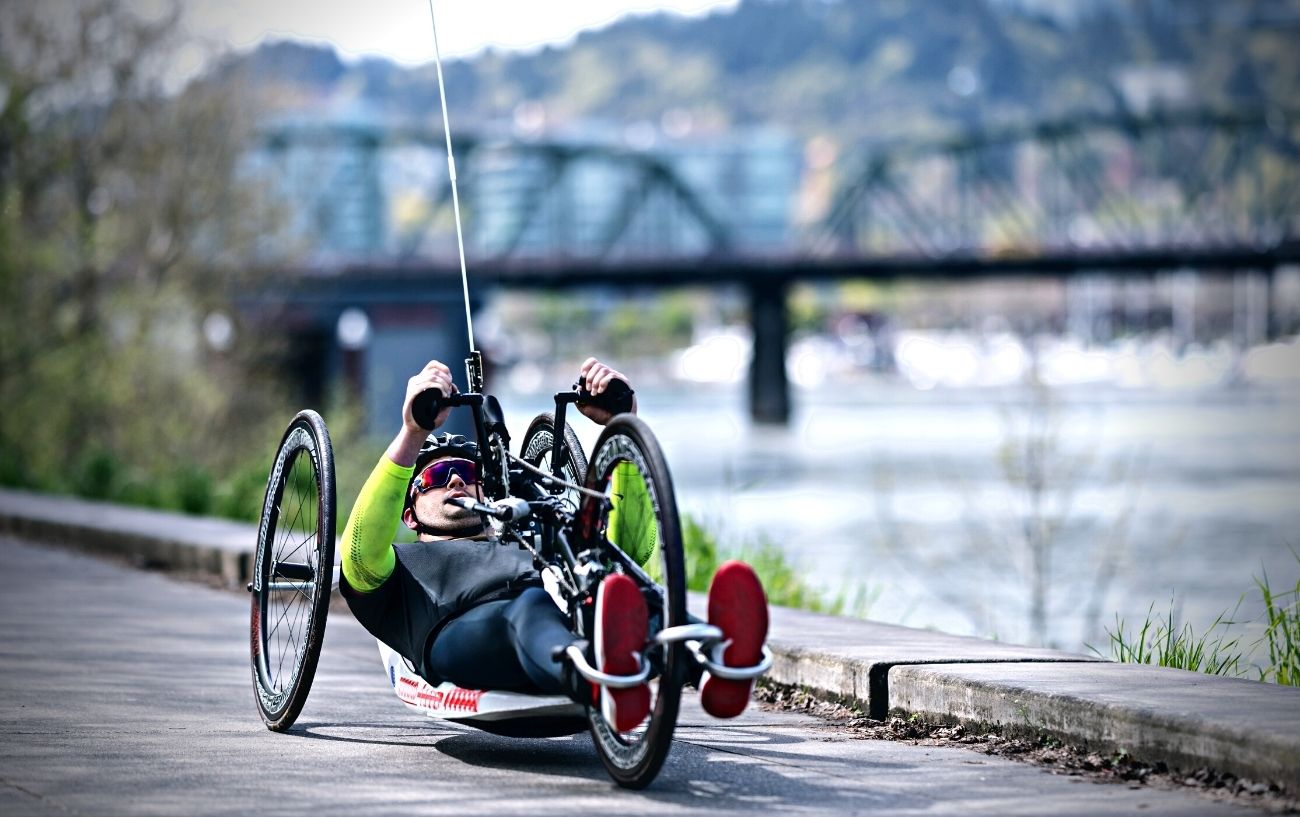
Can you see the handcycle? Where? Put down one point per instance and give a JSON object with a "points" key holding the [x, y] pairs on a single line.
{"points": [[548, 499]]}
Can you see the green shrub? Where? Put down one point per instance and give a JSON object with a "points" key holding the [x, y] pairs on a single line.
{"points": [[13, 472], [700, 548], [240, 495], [782, 581], [784, 585], [142, 492], [192, 491], [96, 475]]}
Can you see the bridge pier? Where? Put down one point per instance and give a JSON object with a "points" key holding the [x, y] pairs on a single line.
{"points": [[769, 388], [1250, 308], [1272, 312]]}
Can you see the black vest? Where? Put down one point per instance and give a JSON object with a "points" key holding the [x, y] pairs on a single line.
{"points": [[432, 583]]}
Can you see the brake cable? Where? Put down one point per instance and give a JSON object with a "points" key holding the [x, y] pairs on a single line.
{"points": [[550, 479]]}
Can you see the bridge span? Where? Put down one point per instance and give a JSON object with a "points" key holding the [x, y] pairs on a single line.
{"points": [[1116, 197]]}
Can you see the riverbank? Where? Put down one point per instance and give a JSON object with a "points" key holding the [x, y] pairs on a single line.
{"points": [[1182, 719]]}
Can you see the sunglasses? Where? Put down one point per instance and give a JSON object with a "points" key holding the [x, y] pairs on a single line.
{"points": [[438, 474]]}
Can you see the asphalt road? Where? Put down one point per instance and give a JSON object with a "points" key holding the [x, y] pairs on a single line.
{"points": [[127, 692]]}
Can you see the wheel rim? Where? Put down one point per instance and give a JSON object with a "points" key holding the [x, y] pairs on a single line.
{"points": [[288, 590]]}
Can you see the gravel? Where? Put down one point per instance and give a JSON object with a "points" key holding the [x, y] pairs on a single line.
{"points": [[1114, 768]]}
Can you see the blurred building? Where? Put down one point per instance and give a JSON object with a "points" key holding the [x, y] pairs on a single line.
{"points": [[359, 194], [356, 189]]}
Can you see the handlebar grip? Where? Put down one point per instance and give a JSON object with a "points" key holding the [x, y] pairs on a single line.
{"points": [[616, 398], [425, 407]]}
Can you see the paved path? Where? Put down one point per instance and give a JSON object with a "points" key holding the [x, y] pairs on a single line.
{"points": [[126, 692], [1187, 720]]}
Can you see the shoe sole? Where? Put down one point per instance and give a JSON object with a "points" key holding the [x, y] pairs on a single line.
{"points": [[738, 607], [621, 626]]}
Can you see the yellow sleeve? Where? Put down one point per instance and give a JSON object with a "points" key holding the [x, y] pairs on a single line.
{"points": [[368, 557], [632, 524]]}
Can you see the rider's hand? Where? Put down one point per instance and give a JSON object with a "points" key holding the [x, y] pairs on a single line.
{"points": [[435, 374], [597, 377]]}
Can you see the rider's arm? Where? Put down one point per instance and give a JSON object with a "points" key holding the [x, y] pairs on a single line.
{"points": [[631, 519], [368, 557]]}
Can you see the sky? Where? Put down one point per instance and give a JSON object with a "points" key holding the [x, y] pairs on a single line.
{"points": [[400, 29]]}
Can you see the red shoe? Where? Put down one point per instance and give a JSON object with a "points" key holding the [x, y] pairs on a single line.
{"points": [[622, 625], [738, 607]]}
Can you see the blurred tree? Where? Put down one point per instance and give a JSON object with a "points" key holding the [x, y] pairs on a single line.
{"points": [[124, 231], [650, 325], [862, 73]]}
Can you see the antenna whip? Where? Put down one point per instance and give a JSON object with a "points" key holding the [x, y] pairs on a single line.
{"points": [[474, 364]]}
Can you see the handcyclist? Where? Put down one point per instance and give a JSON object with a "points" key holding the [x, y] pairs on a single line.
{"points": [[464, 609]]}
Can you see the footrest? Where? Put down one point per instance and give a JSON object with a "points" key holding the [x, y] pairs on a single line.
{"points": [[688, 632], [712, 661], [595, 676]]}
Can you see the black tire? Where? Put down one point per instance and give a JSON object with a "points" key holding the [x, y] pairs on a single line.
{"points": [[633, 759], [536, 450], [292, 571]]}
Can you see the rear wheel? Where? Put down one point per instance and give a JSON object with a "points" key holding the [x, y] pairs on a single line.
{"points": [[645, 542], [292, 571]]}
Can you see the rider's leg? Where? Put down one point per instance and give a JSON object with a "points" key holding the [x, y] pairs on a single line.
{"points": [[537, 628], [511, 644], [475, 651], [505, 645]]}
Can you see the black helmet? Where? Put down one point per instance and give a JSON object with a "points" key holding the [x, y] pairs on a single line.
{"points": [[445, 445], [437, 446]]}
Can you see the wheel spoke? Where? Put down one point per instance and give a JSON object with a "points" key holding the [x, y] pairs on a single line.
{"points": [[284, 557], [284, 642], [281, 617], [279, 669], [297, 513], [284, 530], [313, 534], [295, 587]]}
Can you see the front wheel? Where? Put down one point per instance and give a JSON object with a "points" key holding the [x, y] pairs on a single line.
{"points": [[642, 535], [293, 571]]}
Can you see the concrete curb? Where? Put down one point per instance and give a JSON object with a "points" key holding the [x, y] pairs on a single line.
{"points": [[852, 659], [161, 540], [1187, 720]]}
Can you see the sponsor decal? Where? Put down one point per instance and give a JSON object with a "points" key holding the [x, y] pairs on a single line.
{"points": [[462, 700], [446, 698]]}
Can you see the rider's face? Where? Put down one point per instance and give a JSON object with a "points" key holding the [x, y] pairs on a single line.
{"points": [[432, 508]]}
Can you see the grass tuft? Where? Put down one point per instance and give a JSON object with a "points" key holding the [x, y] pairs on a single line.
{"points": [[1282, 632], [1160, 641]]}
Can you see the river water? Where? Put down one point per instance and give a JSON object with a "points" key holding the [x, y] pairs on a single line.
{"points": [[913, 506]]}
